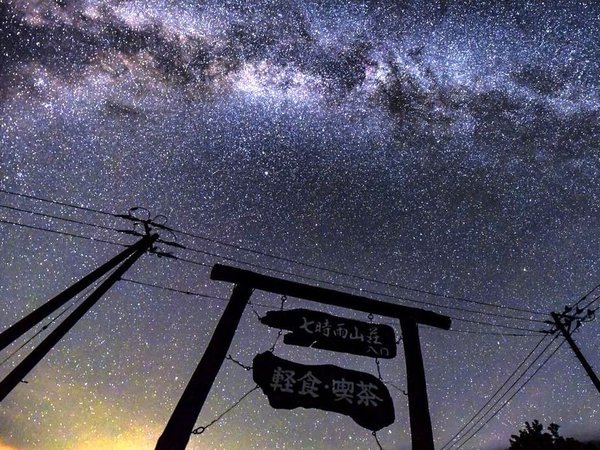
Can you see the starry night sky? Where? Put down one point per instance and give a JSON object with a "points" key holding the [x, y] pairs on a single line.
{"points": [[451, 147]]}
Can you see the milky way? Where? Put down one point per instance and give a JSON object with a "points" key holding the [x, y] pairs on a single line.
{"points": [[450, 148]]}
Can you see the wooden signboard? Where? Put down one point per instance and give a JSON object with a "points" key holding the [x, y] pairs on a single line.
{"points": [[290, 385], [325, 331]]}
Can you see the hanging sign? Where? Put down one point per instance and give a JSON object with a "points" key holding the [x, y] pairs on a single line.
{"points": [[290, 385], [320, 330]]}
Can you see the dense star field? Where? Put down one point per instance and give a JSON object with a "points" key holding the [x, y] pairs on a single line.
{"points": [[452, 148]]}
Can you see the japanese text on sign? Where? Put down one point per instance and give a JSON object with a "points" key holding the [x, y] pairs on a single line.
{"points": [[324, 331], [290, 385]]}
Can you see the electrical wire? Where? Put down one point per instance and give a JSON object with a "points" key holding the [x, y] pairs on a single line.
{"points": [[472, 423], [371, 292], [283, 272], [37, 333], [189, 261], [368, 291], [73, 303], [55, 202], [360, 277], [289, 260], [64, 233], [378, 293], [514, 394], [586, 296], [589, 305], [202, 264], [65, 219], [186, 292], [491, 333], [499, 325], [198, 294]]}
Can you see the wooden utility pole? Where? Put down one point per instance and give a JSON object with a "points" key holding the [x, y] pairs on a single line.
{"points": [[588, 368], [181, 424], [30, 361], [15, 331]]}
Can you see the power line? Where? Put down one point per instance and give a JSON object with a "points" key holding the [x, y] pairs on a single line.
{"points": [[198, 294], [55, 202], [515, 393], [189, 261], [215, 255], [591, 303], [377, 293], [186, 292], [491, 333], [484, 333], [494, 394], [293, 274], [361, 290], [179, 291], [37, 333], [66, 219], [472, 423], [586, 296], [50, 322], [290, 260], [347, 274], [65, 233], [508, 327], [192, 293]]}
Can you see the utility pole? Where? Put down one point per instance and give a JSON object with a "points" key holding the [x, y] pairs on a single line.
{"points": [[588, 368], [15, 331], [31, 360]]}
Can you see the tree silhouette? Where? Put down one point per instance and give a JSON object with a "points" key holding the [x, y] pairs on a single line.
{"points": [[533, 437]]}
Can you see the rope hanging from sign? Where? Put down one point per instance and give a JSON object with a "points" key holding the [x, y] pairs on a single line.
{"points": [[258, 316], [377, 440], [235, 361], [378, 365], [202, 429], [280, 332]]}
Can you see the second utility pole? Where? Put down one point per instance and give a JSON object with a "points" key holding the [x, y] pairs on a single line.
{"points": [[588, 368]]}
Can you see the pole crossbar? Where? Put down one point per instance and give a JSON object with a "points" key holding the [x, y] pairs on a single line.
{"points": [[266, 283]]}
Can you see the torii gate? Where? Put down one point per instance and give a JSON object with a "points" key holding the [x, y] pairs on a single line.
{"points": [[179, 428]]}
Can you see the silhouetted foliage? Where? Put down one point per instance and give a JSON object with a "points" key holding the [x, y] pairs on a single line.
{"points": [[533, 437]]}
